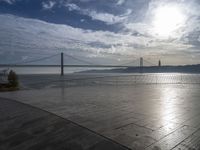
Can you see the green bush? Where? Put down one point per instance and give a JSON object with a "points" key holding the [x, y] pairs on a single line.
{"points": [[13, 79]]}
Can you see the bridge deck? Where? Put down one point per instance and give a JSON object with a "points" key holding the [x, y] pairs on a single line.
{"points": [[81, 65]]}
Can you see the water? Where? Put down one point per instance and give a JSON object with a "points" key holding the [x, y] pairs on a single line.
{"points": [[133, 79], [47, 70], [49, 77], [105, 79]]}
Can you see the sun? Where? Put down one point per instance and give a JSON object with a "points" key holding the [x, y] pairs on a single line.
{"points": [[167, 20]]}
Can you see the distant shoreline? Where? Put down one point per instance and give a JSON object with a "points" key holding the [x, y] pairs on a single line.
{"points": [[191, 69]]}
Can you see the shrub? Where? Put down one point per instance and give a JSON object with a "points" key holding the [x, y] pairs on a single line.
{"points": [[13, 79]]}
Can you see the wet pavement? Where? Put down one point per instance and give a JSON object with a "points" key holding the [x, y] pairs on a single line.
{"points": [[155, 116], [23, 127]]}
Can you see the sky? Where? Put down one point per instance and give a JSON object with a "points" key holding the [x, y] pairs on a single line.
{"points": [[101, 31]]}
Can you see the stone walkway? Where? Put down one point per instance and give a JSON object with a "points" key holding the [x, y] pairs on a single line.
{"points": [[158, 117], [23, 127]]}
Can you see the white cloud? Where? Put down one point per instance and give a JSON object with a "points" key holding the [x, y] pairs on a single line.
{"points": [[31, 35], [105, 17], [48, 5], [72, 6], [8, 1], [82, 20], [120, 2]]}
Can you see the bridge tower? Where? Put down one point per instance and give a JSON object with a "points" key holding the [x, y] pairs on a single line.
{"points": [[62, 64], [141, 62], [159, 63]]}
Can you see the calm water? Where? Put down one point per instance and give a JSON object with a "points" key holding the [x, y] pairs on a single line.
{"points": [[47, 70], [49, 77], [105, 79]]}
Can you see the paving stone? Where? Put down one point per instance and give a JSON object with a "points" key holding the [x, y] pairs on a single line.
{"points": [[23, 127], [162, 115]]}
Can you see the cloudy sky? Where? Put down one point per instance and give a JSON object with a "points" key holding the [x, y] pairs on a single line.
{"points": [[101, 31]]}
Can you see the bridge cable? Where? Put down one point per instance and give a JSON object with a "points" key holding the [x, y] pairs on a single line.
{"points": [[35, 60], [80, 60]]}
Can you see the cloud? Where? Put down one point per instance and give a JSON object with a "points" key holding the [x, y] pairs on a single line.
{"points": [[8, 1], [48, 5], [145, 24], [134, 35], [108, 18], [72, 7], [22, 35], [120, 2]]}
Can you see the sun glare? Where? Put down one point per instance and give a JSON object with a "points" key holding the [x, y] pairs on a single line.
{"points": [[167, 20]]}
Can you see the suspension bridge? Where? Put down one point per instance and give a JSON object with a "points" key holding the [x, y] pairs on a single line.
{"points": [[79, 63], [65, 60]]}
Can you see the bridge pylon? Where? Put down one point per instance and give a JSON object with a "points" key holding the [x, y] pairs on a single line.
{"points": [[62, 64], [159, 63], [141, 61], [141, 64]]}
